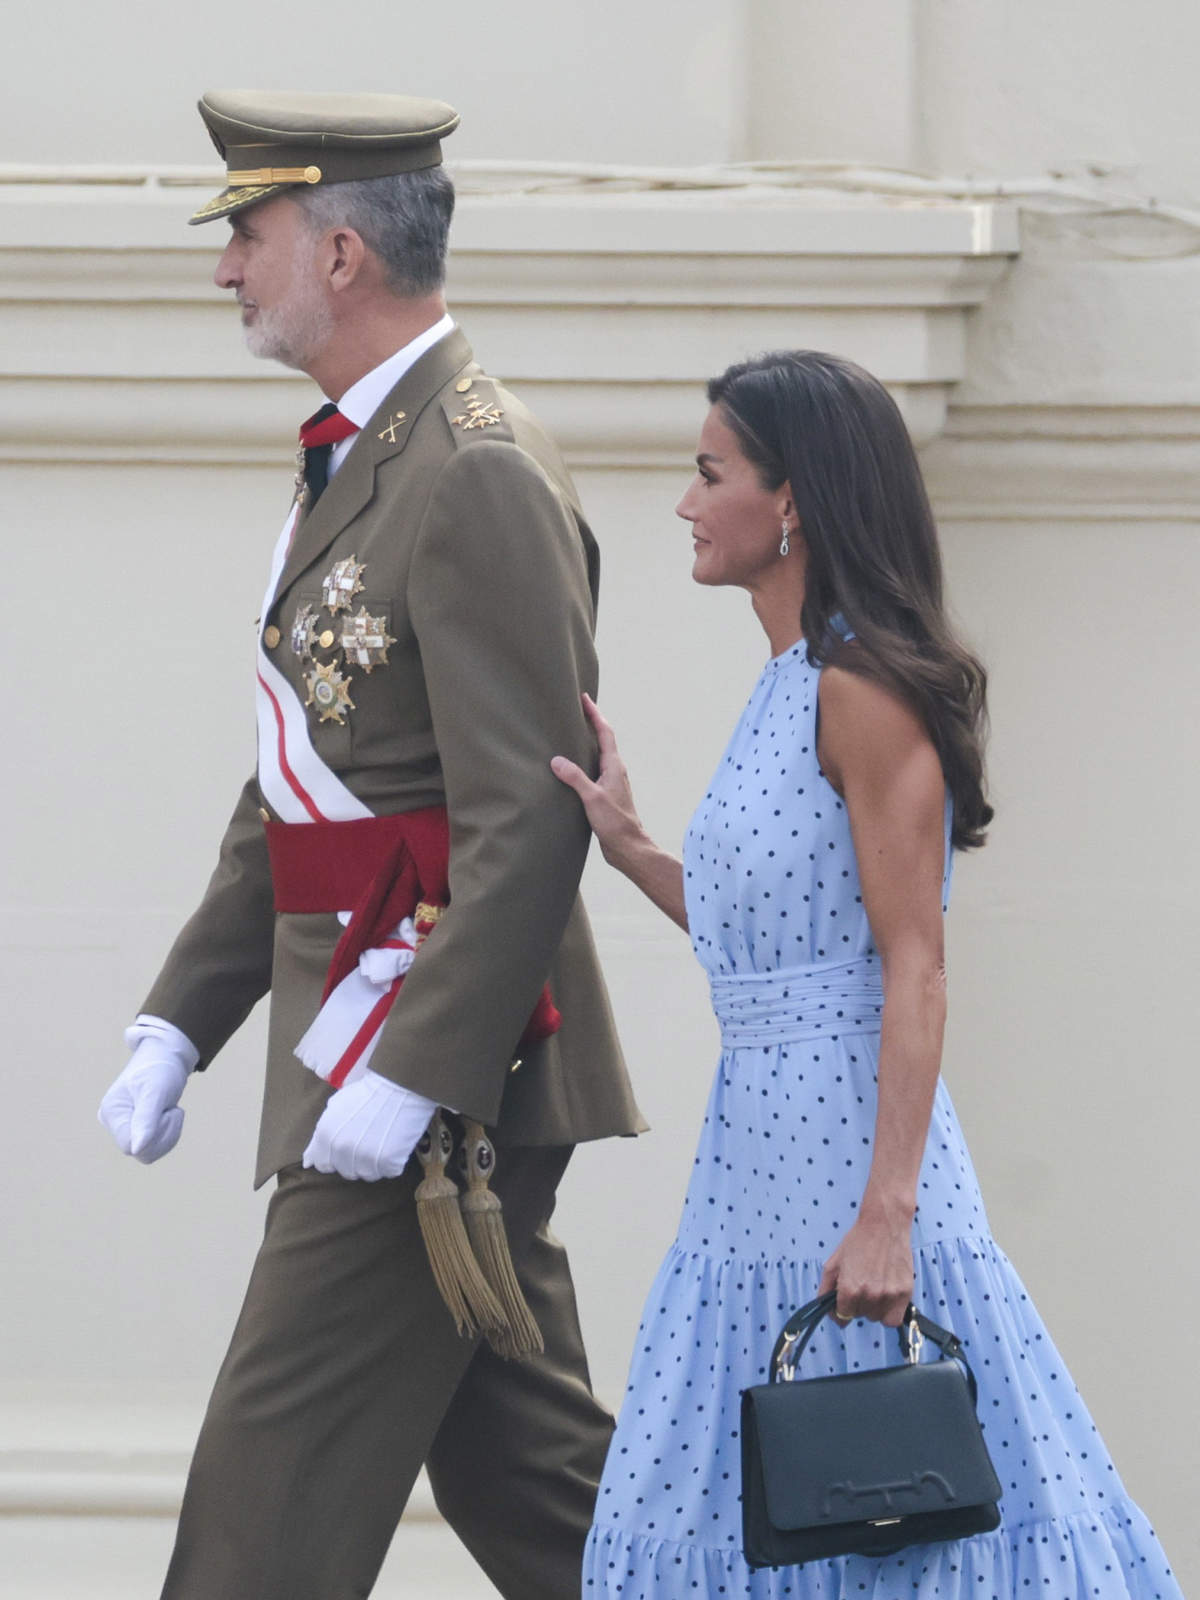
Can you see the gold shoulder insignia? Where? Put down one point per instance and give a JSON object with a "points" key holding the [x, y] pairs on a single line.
{"points": [[474, 409], [479, 413]]}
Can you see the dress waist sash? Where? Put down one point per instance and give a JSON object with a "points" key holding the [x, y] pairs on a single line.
{"points": [[797, 1003]]}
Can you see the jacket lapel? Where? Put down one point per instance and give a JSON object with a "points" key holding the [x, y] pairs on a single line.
{"points": [[385, 435]]}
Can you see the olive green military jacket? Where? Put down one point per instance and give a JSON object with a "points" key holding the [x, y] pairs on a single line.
{"points": [[472, 546]]}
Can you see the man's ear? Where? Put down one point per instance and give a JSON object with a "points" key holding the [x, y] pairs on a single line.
{"points": [[345, 256]]}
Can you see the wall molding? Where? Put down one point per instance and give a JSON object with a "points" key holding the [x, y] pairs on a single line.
{"points": [[609, 308], [1031, 463]]}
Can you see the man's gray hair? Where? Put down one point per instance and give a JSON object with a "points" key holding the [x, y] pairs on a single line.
{"points": [[403, 219]]}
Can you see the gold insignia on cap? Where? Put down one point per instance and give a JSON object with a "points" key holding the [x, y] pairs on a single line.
{"points": [[259, 177], [389, 433], [231, 200], [304, 631], [329, 691], [365, 640], [343, 582], [463, 385], [479, 414]]}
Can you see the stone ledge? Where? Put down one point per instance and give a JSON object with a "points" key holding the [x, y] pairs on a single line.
{"points": [[609, 307], [1066, 463]]}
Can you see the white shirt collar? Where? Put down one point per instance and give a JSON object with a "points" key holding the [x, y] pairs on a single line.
{"points": [[362, 399]]}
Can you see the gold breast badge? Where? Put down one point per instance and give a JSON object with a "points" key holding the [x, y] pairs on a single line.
{"points": [[479, 414], [329, 691], [342, 583], [365, 640], [304, 631]]}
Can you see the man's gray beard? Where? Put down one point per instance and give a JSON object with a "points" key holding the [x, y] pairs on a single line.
{"points": [[291, 333]]}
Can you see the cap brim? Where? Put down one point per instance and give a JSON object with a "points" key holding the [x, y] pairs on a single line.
{"points": [[231, 200]]}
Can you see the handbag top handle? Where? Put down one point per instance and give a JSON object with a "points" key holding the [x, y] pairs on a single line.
{"points": [[802, 1324]]}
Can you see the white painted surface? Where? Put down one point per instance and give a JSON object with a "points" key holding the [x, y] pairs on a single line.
{"points": [[144, 464]]}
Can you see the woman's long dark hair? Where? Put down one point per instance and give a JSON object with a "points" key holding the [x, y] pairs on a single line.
{"points": [[874, 571]]}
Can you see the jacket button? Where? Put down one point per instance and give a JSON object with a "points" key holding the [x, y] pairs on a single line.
{"points": [[271, 636]]}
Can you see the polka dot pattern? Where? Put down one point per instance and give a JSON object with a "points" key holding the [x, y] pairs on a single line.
{"points": [[772, 891]]}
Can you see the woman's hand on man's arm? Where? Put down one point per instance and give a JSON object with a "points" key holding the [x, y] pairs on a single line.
{"points": [[608, 801]]}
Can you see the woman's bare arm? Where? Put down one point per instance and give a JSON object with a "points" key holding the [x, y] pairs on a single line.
{"points": [[626, 845], [877, 754]]}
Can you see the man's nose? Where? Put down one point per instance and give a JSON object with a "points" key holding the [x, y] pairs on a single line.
{"points": [[228, 274]]}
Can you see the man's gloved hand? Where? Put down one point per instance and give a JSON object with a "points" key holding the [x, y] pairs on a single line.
{"points": [[368, 1129], [141, 1110]]}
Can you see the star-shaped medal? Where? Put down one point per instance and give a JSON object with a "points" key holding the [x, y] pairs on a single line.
{"points": [[365, 640], [329, 691], [342, 583]]}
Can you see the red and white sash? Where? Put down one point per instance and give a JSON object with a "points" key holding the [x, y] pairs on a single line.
{"points": [[295, 782], [300, 788]]}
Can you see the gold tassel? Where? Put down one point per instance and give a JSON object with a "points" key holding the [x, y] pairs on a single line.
{"points": [[461, 1284], [520, 1335]]}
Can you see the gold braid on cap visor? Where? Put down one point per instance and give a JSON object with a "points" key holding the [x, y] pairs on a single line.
{"points": [[258, 177]]}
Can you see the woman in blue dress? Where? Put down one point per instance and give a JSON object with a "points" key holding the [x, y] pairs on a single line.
{"points": [[813, 883]]}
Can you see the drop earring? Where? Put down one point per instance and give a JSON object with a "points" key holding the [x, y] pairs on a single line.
{"points": [[784, 546]]}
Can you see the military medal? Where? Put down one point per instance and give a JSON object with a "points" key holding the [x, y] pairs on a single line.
{"points": [[365, 640], [329, 691], [342, 583], [304, 631]]}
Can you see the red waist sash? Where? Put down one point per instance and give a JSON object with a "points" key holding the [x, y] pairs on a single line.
{"points": [[380, 869]]}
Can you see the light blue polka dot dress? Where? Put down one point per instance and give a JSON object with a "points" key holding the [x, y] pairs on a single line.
{"points": [[776, 915]]}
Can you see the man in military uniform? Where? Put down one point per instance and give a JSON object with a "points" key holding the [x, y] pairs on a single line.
{"points": [[423, 646]]}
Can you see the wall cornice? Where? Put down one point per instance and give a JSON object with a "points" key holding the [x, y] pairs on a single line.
{"points": [[608, 307], [1060, 463]]}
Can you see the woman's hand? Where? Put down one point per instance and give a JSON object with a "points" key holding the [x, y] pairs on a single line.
{"points": [[609, 800], [872, 1270], [609, 805]]}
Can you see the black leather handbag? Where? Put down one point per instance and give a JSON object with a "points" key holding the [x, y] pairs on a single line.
{"points": [[863, 1463]]}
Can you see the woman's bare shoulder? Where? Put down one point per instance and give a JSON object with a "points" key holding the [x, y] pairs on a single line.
{"points": [[865, 725]]}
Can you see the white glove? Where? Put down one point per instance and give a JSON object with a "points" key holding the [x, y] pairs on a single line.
{"points": [[141, 1110], [368, 1129]]}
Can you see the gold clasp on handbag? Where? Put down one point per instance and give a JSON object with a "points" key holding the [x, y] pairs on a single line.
{"points": [[785, 1367], [915, 1339]]}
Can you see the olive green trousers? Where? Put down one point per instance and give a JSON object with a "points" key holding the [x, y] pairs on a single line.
{"points": [[345, 1375]]}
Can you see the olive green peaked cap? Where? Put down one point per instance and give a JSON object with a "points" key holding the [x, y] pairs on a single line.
{"points": [[272, 141]]}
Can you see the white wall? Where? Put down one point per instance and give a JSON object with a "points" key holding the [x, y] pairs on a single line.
{"points": [[621, 82], [1065, 478]]}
